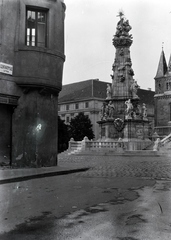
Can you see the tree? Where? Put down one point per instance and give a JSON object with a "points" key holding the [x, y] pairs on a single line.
{"points": [[63, 135], [81, 126]]}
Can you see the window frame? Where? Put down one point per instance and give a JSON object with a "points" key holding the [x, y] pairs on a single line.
{"points": [[86, 104], [36, 10], [67, 107], [76, 105]]}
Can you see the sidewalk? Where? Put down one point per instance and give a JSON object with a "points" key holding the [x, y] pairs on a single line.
{"points": [[8, 175]]}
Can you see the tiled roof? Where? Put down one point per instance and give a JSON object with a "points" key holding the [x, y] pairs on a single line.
{"points": [[94, 88], [146, 96]]}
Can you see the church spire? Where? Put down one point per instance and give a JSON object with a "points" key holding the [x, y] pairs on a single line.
{"points": [[169, 66], [162, 67]]}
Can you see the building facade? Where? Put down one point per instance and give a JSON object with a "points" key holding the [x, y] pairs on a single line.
{"points": [[31, 66], [88, 97], [163, 97]]}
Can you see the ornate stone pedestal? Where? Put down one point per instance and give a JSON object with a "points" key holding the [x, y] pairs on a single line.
{"points": [[136, 132]]}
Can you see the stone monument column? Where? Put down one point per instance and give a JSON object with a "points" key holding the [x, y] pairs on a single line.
{"points": [[122, 77], [121, 115]]}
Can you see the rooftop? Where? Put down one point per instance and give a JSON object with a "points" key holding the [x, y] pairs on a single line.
{"points": [[93, 88]]}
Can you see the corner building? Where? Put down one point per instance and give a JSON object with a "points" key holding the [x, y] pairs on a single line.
{"points": [[31, 67]]}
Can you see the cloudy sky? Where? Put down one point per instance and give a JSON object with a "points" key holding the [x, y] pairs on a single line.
{"points": [[89, 29]]}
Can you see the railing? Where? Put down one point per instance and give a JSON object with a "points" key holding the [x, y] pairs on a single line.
{"points": [[166, 139], [162, 144], [74, 145], [162, 130], [119, 145], [106, 145]]}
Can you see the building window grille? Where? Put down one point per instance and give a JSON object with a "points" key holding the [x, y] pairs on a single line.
{"points": [[59, 108], [86, 104], [67, 107], [76, 106], [36, 27]]}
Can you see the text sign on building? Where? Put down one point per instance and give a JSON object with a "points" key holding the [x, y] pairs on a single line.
{"points": [[6, 68]]}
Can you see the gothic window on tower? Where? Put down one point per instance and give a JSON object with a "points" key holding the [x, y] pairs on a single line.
{"points": [[168, 86], [159, 88], [36, 27]]}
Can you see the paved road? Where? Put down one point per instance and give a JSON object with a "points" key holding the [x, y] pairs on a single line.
{"points": [[118, 166], [54, 208], [117, 199]]}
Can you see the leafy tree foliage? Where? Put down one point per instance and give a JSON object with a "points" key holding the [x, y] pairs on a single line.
{"points": [[81, 126], [63, 135]]}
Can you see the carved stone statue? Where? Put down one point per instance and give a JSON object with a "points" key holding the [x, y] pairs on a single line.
{"points": [[111, 109], [129, 109], [156, 145], [102, 113], [123, 27], [106, 112], [108, 91], [144, 111], [139, 112], [134, 88]]}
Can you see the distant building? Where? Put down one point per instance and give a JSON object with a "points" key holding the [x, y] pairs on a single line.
{"points": [[163, 97], [88, 97], [31, 66]]}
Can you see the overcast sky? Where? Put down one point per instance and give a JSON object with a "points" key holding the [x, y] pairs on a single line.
{"points": [[89, 29]]}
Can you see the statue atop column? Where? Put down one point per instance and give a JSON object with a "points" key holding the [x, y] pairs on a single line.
{"points": [[123, 84], [122, 32]]}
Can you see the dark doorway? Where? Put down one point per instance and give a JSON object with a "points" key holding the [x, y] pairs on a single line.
{"points": [[5, 132]]}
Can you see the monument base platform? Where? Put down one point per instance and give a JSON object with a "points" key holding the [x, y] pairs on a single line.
{"points": [[133, 132]]}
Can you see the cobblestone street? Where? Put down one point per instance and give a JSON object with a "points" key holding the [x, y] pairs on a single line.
{"points": [[119, 166]]}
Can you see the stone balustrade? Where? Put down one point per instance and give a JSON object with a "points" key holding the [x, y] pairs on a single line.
{"points": [[166, 139], [87, 144], [118, 145]]}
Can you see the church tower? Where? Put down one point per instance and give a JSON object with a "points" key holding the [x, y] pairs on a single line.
{"points": [[162, 97]]}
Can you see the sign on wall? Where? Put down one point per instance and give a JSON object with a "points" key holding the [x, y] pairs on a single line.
{"points": [[6, 68]]}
